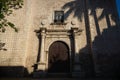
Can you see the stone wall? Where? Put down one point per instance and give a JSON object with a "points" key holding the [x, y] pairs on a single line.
{"points": [[22, 47], [16, 43]]}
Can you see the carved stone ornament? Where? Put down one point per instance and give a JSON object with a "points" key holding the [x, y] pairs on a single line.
{"points": [[43, 22]]}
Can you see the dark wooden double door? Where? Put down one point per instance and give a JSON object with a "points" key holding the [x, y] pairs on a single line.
{"points": [[59, 60]]}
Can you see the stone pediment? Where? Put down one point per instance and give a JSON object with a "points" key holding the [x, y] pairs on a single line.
{"points": [[61, 31]]}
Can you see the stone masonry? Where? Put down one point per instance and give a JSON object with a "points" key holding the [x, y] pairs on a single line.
{"points": [[36, 19]]}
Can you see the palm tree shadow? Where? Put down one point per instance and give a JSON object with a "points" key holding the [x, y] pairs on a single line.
{"points": [[75, 6], [106, 49], [106, 53], [109, 9]]}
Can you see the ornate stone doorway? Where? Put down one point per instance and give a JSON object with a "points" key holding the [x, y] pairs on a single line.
{"points": [[58, 59], [58, 51]]}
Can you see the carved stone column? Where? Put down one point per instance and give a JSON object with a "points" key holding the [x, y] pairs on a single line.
{"points": [[42, 53], [42, 62]]}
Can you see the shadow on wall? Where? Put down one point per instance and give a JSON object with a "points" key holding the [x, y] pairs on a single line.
{"points": [[77, 7], [2, 46], [106, 45], [106, 49], [6, 9], [13, 71]]}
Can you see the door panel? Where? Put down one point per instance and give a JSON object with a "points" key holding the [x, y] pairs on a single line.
{"points": [[58, 58]]}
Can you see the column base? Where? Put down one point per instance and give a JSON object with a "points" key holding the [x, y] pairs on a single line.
{"points": [[41, 66], [41, 70]]}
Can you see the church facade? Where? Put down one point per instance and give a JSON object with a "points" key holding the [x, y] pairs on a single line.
{"points": [[62, 38]]}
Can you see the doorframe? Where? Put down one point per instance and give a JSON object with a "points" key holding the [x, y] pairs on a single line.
{"points": [[69, 49]]}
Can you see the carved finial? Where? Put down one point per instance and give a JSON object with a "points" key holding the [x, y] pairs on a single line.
{"points": [[43, 22]]}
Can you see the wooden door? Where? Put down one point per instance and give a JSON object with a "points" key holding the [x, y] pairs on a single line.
{"points": [[58, 58]]}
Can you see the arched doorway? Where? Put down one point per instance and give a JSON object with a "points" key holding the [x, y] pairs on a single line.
{"points": [[58, 60]]}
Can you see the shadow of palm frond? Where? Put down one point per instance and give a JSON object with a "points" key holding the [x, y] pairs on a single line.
{"points": [[75, 6], [108, 6]]}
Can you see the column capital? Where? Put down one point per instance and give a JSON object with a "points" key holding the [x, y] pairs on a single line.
{"points": [[76, 31], [43, 31]]}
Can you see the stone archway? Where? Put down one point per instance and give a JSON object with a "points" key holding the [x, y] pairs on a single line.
{"points": [[57, 50], [58, 58]]}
